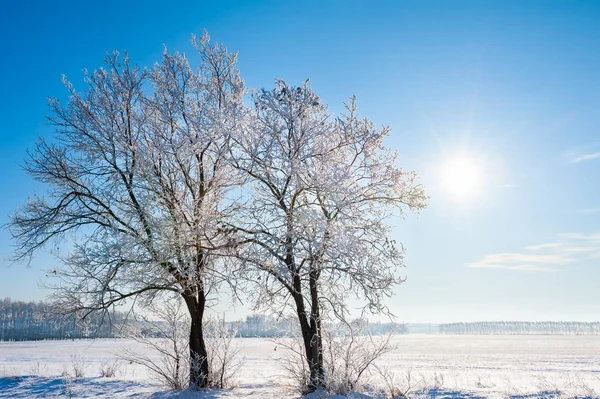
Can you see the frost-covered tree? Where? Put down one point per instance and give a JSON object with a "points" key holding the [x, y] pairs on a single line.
{"points": [[316, 229], [137, 180]]}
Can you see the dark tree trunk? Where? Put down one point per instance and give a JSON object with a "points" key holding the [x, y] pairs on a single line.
{"points": [[318, 374], [199, 371], [310, 326]]}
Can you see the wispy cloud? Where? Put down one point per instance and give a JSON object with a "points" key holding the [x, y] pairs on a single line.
{"points": [[543, 246], [587, 211], [580, 249], [521, 262], [584, 157], [519, 268], [547, 257], [580, 237]]}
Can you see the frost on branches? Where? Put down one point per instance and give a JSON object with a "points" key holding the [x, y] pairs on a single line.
{"points": [[138, 176], [165, 182], [315, 226]]}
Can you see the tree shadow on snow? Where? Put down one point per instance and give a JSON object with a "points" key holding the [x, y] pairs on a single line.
{"points": [[443, 394], [252, 390], [21, 387], [51, 387], [548, 395], [189, 394]]}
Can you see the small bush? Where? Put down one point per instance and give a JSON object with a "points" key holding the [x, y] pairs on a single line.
{"points": [[37, 369], [349, 353], [224, 358], [170, 332], [395, 389], [167, 337], [109, 368], [78, 366]]}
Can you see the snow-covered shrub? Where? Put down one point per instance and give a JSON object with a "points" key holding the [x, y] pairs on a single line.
{"points": [[396, 387], [349, 353], [167, 334], [295, 363], [349, 357], [36, 369], [78, 365], [109, 368], [224, 358]]}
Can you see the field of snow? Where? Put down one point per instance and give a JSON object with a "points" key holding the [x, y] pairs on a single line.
{"points": [[441, 366]]}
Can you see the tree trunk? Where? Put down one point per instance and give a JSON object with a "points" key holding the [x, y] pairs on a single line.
{"points": [[313, 345], [315, 328], [199, 371]]}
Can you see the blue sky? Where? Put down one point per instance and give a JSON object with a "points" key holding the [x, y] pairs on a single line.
{"points": [[513, 87]]}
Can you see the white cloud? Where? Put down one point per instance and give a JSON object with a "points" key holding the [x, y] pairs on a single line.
{"points": [[520, 268], [532, 268], [581, 237], [573, 250], [588, 211], [543, 246], [584, 157], [547, 257], [523, 262]]}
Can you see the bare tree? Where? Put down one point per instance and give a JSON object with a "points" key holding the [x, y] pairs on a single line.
{"points": [[137, 179], [316, 229]]}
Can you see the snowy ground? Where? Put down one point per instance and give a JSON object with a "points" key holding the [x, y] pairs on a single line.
{"points": [[440, 366]]}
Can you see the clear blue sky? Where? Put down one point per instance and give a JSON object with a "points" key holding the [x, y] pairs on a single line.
{"points": [[511, 89]]}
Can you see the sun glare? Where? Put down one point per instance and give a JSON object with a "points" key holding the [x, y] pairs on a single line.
{"points": [[461, 177]]}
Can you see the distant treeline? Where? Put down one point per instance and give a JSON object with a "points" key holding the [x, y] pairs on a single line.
{"points": [[522, 327], [29, 321], [265, 326]]}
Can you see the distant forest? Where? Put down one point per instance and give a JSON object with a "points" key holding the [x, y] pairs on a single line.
{"points": [[30, 321], [522, 328]]}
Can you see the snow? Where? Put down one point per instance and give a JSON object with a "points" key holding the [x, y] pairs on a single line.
{"points": [[441, 366]]}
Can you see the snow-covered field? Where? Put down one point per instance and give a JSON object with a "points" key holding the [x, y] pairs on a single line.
{"points": [[442, 366]]}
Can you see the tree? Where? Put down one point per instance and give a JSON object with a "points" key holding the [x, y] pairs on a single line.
{"points": [[316, 229], [137, 178]]}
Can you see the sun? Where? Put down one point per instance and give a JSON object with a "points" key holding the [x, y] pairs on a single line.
{"points": [[461, 177]]}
